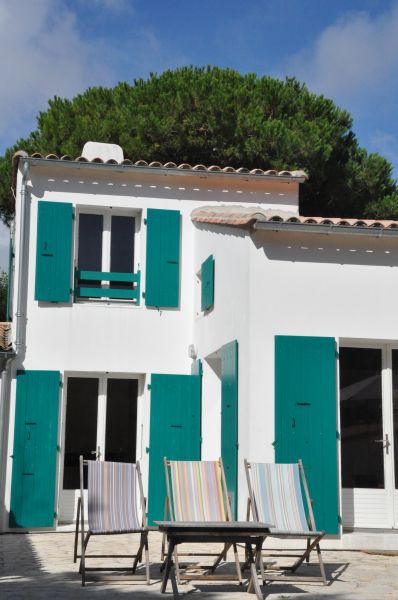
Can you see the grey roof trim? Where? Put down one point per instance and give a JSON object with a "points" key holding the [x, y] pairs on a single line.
{"points": [[325, 229], [120, 168]]}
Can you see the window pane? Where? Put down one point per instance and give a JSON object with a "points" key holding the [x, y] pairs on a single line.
{"points": [[361, 418], [80, 427], [122, 248], [90, 245], [395, 411], [121, 420]]}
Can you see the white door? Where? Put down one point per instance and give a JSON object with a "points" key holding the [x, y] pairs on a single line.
{"points": [[100, 423], [368, 417]]}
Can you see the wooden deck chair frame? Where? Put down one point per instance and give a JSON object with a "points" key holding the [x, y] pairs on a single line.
{"points": [[312, 537], [85, 536], [209, 570]]}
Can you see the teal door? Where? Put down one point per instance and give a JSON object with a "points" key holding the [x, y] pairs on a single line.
{"points": [[229, 419], [306, 418], [35, 449], [174, 431]]}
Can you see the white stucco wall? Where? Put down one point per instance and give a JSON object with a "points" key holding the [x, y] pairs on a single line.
{"points": [[97, 337]]}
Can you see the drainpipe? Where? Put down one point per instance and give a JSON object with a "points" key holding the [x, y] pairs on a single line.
{"points": [[20, 315], [6, 358]]}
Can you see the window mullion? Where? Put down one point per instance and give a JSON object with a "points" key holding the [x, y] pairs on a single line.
{"points": [[106, 247]]}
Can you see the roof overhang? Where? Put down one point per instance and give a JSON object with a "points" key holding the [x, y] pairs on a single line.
{"points": [[327, 229], [156, 168]]}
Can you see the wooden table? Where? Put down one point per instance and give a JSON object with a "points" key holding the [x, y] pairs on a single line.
{"points": [[225, 532]]}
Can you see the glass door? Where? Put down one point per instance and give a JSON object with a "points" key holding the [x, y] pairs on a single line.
{"points": [[393, 447], [100, 424], [368, 388]]}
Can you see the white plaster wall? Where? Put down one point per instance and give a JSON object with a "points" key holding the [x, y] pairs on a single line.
{"points": [[97, 337], [227, 321], [343, 286]]}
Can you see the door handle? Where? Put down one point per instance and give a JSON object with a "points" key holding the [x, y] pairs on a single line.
{"points": [[386, 443]]}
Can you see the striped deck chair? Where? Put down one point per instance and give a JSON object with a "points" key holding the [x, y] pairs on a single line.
{"points": [[114, 492], [275, 497], [197, 491]]}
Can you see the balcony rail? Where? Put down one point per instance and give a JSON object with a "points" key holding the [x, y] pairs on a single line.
{"points": [[83, 291]]}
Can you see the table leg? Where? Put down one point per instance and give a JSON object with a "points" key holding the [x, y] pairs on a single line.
{"points": [[254, 586], [169, 561]]}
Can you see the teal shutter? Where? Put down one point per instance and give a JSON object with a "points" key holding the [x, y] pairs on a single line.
{"points": [[53, 251], [305, 418], [229, 419], [35, 449], [174, 431], [207, 273], [162, 288]]}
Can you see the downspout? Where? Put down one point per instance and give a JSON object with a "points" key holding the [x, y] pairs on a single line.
{"points": [[20, 315], [6, 358]]}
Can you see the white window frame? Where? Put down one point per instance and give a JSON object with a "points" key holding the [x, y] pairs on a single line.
{"points": [[107, 213]]}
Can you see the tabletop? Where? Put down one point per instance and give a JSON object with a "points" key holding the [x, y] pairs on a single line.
{"points": [[248, 527]]}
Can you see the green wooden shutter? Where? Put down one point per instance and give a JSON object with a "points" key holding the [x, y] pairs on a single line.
{"points": [[305, 418], [174, 431], [35, 449], [163, 258], [207, 273], [229, 419], [53, 251]]}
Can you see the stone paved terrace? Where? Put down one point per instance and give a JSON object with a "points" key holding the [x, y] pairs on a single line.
{"points": [[40, 565]]}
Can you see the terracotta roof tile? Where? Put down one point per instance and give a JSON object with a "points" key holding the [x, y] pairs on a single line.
{"points": [[300, 175], [246, 216]]}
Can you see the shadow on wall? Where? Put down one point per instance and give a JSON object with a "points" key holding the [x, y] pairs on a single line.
{"points": [[328, 249]]}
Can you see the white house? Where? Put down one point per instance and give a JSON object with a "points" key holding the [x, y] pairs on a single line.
{"points": [[191, 312]]}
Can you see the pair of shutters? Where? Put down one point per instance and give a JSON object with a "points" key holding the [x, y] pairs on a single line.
{"points": [[54, 255]]}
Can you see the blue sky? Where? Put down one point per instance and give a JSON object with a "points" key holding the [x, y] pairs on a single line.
{"points": [[345, 49]]}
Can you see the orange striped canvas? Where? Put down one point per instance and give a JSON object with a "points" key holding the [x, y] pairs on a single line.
{"points": [[197, 491]]}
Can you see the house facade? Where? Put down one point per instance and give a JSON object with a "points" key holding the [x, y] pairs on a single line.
{"points": [[191, 312]]}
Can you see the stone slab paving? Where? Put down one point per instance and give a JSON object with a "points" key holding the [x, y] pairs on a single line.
{"points": [[40, 566]]}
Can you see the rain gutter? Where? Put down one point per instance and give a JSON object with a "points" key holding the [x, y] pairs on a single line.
{"points": [[328, 229], [82, 165]]}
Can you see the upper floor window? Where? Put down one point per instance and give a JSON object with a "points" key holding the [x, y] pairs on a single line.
{"points": [[106, 256]]}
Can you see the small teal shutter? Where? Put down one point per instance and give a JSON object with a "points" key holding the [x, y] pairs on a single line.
{"points": [[229, 419], [162, 288], [35, 449], [207, 273], [306, 418], [53, 251]]}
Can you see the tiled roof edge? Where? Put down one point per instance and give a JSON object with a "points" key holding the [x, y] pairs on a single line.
{"points": [[297, 175], [243, 216]]}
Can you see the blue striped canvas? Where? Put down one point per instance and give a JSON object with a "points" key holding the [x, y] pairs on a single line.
{"points": [[112, 497], [277, 496]]}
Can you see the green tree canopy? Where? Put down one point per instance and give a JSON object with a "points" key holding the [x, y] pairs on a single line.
{"points": [[218, 116]]}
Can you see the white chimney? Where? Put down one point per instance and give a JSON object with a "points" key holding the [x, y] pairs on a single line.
{"points": [[93, 150]]}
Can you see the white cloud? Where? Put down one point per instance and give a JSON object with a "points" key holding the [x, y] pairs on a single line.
{"points": [[115, 5], [356, 55], [42, 54]]}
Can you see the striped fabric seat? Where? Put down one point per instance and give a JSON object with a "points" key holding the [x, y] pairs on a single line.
{"points": [[197, 491], [278, 498], [112, 497]]}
